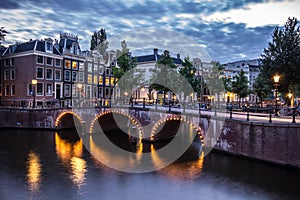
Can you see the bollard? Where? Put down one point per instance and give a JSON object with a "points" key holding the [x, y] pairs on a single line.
{"points": [[144, 103], [294, 116], [247, 114], [230, 112], [270, 117]]}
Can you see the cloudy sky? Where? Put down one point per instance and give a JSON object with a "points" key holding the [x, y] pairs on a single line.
{"points": [[221, 30]]}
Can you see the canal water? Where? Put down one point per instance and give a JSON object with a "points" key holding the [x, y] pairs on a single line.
{"points": [[56, 165]]}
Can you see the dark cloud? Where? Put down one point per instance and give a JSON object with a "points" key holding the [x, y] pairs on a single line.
{"points": [[9, 4]]}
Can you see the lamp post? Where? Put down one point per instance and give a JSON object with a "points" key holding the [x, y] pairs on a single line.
{"points": [[290, 98], [276, 78], [33, 82]]}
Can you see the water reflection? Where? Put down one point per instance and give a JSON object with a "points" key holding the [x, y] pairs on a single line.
{"points": [[70, 154], [186, 170], [34, 169]]}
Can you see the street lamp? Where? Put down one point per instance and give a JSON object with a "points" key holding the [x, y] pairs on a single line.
{"points": [[33, 82], [276, 78]]}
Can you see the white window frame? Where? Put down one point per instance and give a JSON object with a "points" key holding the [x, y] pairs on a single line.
{"points": [[47, 74], [51, 64], [11, 90], [36, 89], [57, 70], [51, 93], [37, 77], [12, 74], [37, 58]]}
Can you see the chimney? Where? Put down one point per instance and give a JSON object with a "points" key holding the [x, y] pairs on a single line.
{"points": [[178, 56], [155, 51]]}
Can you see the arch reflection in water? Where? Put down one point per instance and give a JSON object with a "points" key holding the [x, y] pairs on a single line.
{"points": [[70, 154], [34, 169]]}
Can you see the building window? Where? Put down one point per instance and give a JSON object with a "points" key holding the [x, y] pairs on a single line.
{"points": [[81, 66], [101, 70], [81, 77], [49, 74], [48, 46], [100, 80], [107, 72], [74, 65], [67, 64], [6, 62], [95, 91], [57, 75], [40, 89], [74, 76], [67, 90], [89, 78], [6, 74], [90, 68], [12, 74], [57, 62], [29, 89], [67, 75], [40, 60], [12, 61], [95, 68], [13, 90], [74, 90], [6, 92], [49, 89], [49, 61], [88, 91], [95, 79], [0, 90], [39, 73]]}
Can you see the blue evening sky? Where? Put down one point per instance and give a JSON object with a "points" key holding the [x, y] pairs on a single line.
{"points": [[227, 30]]}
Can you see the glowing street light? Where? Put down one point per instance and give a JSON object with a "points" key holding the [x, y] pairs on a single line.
{"points": [[276, 78], [33, 82]]}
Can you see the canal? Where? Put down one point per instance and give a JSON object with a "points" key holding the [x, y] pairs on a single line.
{"points": [[56, 165]]}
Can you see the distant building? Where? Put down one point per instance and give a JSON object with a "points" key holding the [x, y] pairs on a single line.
{"points": [[251, 69], [63, 73]]}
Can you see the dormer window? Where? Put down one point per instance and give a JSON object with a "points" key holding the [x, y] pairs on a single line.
{"points": [[49, 45]]}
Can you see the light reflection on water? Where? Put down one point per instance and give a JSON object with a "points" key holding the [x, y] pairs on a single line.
{"points": [[47, 165]]}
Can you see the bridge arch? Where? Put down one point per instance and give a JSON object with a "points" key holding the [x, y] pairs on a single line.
{"points": [[64, 114], [134, 121], [161, 122]]}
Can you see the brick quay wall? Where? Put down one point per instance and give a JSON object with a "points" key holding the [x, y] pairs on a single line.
{"points": [[271, 142]]}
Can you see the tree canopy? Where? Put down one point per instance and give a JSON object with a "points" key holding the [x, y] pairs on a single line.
{"points": [[283, 55], [99, 40], [240, 85], [3, 33]]}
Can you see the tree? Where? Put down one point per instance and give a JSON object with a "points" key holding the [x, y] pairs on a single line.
{"points": [[240, 86], [99, 41], [215, 82], [157, 71], [283, 55], [261, 87], [3, 33], [188, 71], [124, 61]]}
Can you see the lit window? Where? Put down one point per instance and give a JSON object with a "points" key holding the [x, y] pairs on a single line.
{"points": [[74, 65], [67, 64], [100, 80], [89, 78], [95, 79]]}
